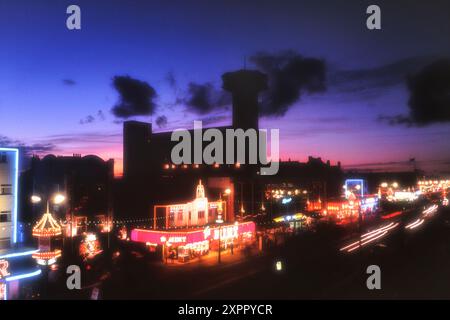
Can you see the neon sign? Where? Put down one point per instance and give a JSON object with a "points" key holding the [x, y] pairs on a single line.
{"points": [[2, 291], [4, 269], [229, 232], [179, 239], [160, 237], [354, 186]]}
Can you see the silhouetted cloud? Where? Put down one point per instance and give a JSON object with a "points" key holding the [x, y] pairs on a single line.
{"points": [[429, 100], [136, 97], [26, 149], [87, 119], [161, 121], [290, 75], [380, 77], [171, 80], [204, 98], [69, 82], [100, 116]]}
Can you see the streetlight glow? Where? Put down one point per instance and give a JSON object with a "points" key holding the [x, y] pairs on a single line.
{"points": [[58, 199], [35, 199]]}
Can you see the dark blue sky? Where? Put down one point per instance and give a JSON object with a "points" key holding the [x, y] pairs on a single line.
{"points": [[56, 90]]}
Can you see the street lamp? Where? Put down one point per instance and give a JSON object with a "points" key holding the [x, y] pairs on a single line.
{"points": [[35, 199], [164, 240], [58, 198], [226, 193], [219, 221]]}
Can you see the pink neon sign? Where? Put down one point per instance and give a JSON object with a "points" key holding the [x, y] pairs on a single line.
{"points": [[185, 237]]}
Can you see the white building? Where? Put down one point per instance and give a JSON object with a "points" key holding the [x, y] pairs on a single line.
{"points": [[9, 160], [16, 262], [200, 211]]}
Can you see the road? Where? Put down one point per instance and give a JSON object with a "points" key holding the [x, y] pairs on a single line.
{"points": [[412, 250]]}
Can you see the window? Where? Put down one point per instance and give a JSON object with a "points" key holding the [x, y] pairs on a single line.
{"points": [[3, 158], [5, 189], [5, 216], [201, 214], [171, 217]]}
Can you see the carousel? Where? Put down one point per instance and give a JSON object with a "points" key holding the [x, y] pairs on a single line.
{"points": [[45, 229]]}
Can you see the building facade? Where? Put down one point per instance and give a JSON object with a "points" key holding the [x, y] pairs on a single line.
{"points": [[16, 262], [9, 161]]}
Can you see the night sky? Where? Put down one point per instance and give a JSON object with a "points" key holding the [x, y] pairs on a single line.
{"points": [[65, 92]]}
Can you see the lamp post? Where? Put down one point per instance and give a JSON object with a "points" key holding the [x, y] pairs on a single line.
{"points": [[226, 193], [219, 221], [163, 240]]}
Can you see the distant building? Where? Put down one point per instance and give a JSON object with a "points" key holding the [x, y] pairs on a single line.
{"points": [[150, 176], [85, 181]]}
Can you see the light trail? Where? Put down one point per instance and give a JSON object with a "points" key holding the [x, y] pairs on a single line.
{"points": [[414, 224], [430, 210], [367, 241], [417, 224], [369, 237]]}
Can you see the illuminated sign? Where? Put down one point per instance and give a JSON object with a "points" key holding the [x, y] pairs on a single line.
{"points": [[186, 237], [286, 200], [177, 239], [2, 291], [228, 232], [405, 196], [4, 269], [354, 186]]}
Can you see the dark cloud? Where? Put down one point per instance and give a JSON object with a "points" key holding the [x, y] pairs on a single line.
{"points": [[88, 119], [204, 98], [397, 119], [136, 97], [290, 75], [214, 119], [69, 82], [161, 121], [380, 77], [429, 100], [26, 149], [94, 137], [99, 116], [171, 80]]}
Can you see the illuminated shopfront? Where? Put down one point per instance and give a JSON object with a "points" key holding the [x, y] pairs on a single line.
{"points": [[345, 208], [197, 241]]}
